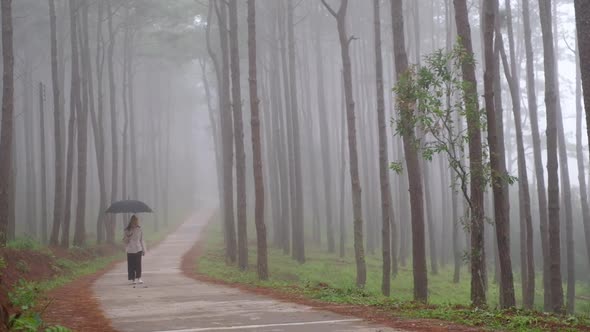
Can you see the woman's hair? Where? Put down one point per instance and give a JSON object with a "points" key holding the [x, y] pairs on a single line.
{"points": [[133, 222]]}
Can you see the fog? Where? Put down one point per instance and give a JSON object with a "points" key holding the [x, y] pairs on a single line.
{"points": [[154, 95]]}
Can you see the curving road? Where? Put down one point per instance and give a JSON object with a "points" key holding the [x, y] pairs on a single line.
{"points": [[171, 302]]}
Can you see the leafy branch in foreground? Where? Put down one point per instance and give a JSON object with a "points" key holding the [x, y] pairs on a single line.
{"points": [[436, 93]]}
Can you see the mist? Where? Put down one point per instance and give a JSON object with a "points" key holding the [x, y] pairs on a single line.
{"points": [[312, 143]]}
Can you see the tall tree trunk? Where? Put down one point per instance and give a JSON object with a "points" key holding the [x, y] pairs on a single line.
{"points": [[405, 218], [325, 144], [226, 133], [281, 169], [478, 296], [58, 204], [566, 191], [110, 227], [98, 125], [383, 166], [498, 167], [583, 26], [430, 217], [342, 138], [359, 251], [527, 258], [297, 209], [29, 145], [552, 164], [30, 215], [238, 136], [457, 254], [125, 133], [580, 155], [215, 128], [412, 162], [82, 107], [261, 254], [567, 202], [132, 119], [65, 235], [288, 151], [12, 195], [539, 172], [43, 158], [74, 109], [7, 137]]}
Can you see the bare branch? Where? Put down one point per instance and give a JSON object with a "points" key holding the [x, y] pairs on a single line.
{"points": [[329, 9], [350, 39]]}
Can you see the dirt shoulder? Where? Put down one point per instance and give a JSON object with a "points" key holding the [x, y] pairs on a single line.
{"points": [[75, 306]]}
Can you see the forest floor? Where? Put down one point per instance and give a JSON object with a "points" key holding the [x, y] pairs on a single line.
{"points": [[326, 280]]}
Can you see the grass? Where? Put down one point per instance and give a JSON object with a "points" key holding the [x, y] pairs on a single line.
{"points": [[328, 278]]}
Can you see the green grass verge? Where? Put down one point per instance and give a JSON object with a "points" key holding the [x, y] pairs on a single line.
{"points": [[328, 278]]}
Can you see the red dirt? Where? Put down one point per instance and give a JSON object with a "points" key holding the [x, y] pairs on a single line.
{"points": [[21, 264], [43, 265], [372, 314], [75, 306]]}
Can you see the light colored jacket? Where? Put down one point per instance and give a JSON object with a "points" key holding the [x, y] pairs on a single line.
{"points": [[133, 240]]}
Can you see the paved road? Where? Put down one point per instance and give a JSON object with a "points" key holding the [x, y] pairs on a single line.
{"points": [[171, 302]]}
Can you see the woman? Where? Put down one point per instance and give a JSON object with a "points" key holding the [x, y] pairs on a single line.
{"points": [[135, 248]]}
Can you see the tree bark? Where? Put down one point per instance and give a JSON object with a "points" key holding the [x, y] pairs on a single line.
{"points": [[552, 164], [580, 154], [567, 202], [12, 196], [539, 172], [502, 219], [325, 144], [583, 26], [30, 216], [132, 119], [288, 152], [476, 227], [7, 137], [261, 253], [226, 134], [412, 162], [74, 109], [58, 204], [43, 158], [82, 107], [361, 268], [430, 217], [98, 125], [110, 227], [281, 170], [297, 209], [238, 136], [342, 138], [383, 167], [527, 257]]}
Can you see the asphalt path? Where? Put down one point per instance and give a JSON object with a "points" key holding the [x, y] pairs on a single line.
{"points": [[171, 302]]}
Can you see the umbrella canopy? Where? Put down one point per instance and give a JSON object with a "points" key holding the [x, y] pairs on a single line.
{"points": [[128, 206]]}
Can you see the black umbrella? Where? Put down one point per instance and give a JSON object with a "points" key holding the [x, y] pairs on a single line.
{"points": [[128, 206]]}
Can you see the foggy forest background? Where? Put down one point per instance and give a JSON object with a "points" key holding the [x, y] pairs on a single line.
{"points": [[434, 134]]}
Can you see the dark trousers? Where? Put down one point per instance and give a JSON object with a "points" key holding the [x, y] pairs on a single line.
{"points": [[134, 265]]}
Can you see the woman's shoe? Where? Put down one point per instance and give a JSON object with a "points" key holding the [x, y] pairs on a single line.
{"points": [[139, 281]]}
